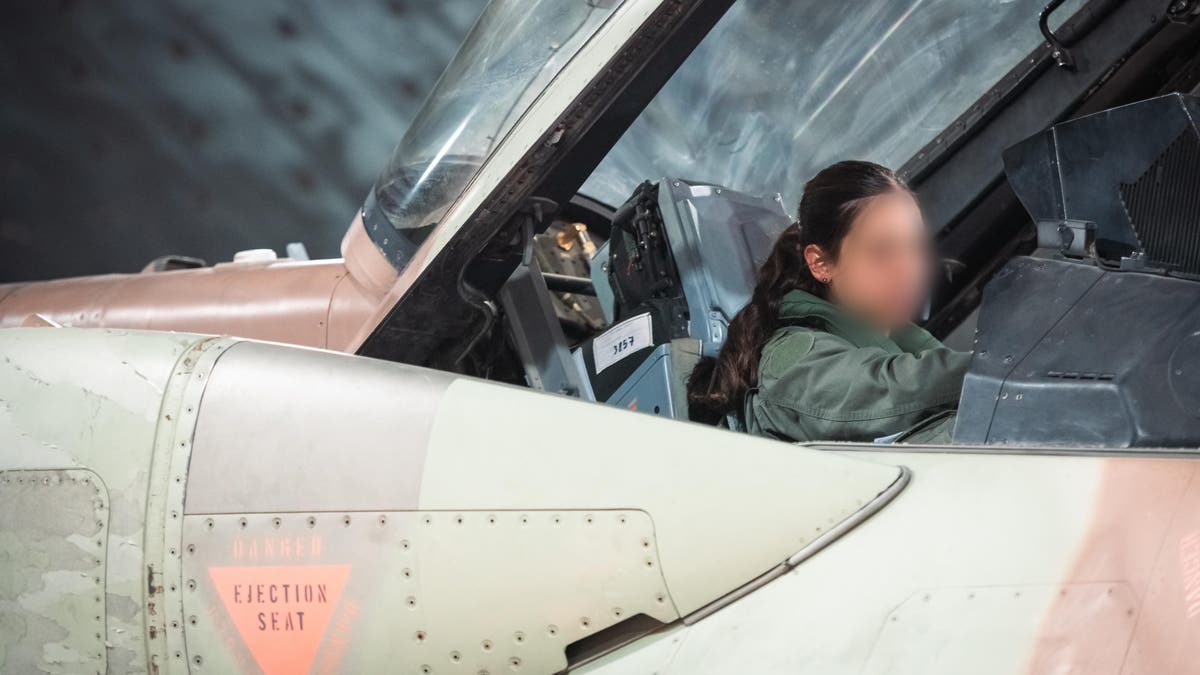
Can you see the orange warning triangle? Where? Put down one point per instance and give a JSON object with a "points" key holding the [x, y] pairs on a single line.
{"points": [[281, 612]]}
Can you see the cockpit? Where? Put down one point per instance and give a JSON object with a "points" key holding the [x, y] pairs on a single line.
{"points": [[613, 293]]}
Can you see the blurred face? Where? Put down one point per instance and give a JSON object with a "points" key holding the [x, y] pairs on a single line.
{"points": [[882, 271]]}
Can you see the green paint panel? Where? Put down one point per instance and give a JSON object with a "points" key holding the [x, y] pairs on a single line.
{"points": [[53, 546]]}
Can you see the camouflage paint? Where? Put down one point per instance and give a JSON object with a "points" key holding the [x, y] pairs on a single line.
{"points": [[53, 537], [508, 548]]}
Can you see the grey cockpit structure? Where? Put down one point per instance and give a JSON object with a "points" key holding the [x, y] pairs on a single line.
{"points": [[1119, 234], [680, 262]]}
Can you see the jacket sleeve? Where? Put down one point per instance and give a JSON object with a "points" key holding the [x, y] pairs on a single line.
{"points": [[815, 386], [915, 339]]}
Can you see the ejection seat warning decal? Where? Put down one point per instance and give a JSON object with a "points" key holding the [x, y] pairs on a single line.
{"points": [[621, 340], [281, 612]]}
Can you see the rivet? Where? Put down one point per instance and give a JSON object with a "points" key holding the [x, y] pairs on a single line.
{"points": [[346, 520], [426, 670], [242, 523], [191, 584], [191, 549], [524, 519], [617, 612], [660, 598], [491, 519], [455, 657], [518, 637], [585, 622], [382, 520], [192, 620], [209, 523], [487, 645], [404, 544], [458, 519], [312, 522], [411, 602], [514, 662], [197, 660], [276, 522], [407, 573], [588, 519], [552, 630], [420, 636]]}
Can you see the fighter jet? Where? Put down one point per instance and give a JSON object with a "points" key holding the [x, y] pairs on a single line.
{"points": [[461, 448]]}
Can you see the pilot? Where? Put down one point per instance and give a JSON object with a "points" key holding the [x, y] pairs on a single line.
{"points": [[826, 348]]}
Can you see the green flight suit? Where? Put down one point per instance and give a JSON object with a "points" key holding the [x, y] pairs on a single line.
{"points": [[826, 376]]}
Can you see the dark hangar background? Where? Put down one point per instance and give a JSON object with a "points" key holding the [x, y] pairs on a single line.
{"points": [[132, 129]]}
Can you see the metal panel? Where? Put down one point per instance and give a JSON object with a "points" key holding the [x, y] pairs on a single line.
{"points": [[719, 238], [403, 591], [94, 399], [54, 544], [538, 336], [727, 507], [288, 429], [161, 547], [969, 622]]}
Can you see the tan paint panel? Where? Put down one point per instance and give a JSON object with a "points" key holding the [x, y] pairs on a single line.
{"points": [[289, 429], [964, 521], [951, 631], [412, 592], [1145, 530], [285, 301], [726, 507]]}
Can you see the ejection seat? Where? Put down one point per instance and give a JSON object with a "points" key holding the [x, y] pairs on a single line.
{"points": [[679, 264]]}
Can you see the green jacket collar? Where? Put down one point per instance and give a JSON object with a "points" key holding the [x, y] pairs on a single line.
{"points": [[800, 308]]}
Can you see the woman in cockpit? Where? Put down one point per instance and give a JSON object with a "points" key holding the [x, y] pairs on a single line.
{"points": [[826, 350]]}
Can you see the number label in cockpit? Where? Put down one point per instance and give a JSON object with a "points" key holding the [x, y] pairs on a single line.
{"points": [[621, 340]]}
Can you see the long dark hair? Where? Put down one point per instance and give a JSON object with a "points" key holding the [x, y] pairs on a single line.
{"points": [[831, 202]]}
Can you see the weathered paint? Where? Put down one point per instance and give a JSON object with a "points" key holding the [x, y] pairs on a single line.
{"points": [[988, 563], [562, 545], [320, 303], [395, 581], [488, 536], [364, 422], [54, 541], [1145, 532]]}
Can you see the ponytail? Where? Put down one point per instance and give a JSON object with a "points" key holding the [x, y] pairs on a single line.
{"points": [[832, 200]]}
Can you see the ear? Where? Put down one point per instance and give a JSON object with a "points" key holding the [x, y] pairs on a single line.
{"points": [[817, 263]]}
